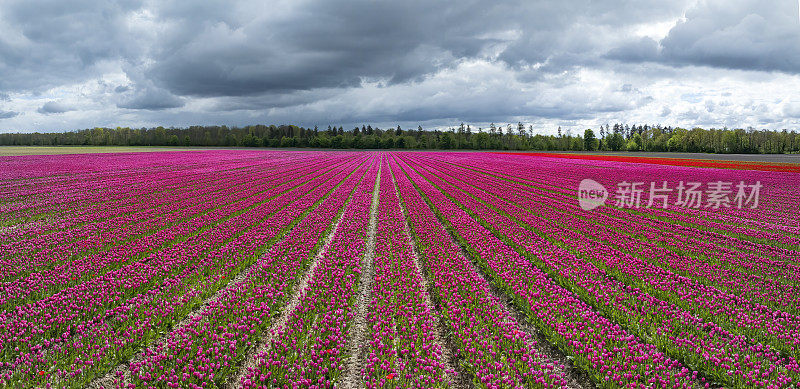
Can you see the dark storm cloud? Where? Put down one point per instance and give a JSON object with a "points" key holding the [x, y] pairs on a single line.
{"points": [[316, 44], [46, 43], [345, 60], [273, 100], [153, 99], [339, 44]]}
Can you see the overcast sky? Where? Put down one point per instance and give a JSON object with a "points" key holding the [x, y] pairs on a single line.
{"points": [[572, 63]]}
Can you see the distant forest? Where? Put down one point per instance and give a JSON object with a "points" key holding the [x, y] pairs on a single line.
{"points": [[511, 137]]}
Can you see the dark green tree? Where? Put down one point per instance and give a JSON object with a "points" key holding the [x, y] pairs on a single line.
{"points": [[589, 140]]}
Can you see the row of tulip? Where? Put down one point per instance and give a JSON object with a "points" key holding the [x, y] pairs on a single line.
{"points": [[673, 330], [109, 317], [492, 348], [83, 200], [673, 228], [731, 312], [120, 192], [538, 176], [85, 213], [80, 193], [746, 288], [610, 355], [46, 282], [538, 172], [402, 350], [62, 271], [311, 348], [213, 345], [88, 220], [770, 226], [21, 243], [724, 251]]}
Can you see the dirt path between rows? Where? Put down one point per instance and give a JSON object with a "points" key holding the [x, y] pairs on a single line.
{"points": [[352, 377]]}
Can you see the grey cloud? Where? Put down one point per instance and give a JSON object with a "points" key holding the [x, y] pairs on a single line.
{"points": [[46, 43], [690, 115], [271, 100], [742, 35], [582, 30], [8, 114], [317, 44], [792, 109], [150, 98], [746, 35], [52, 107], [710, 105], [143, 94], [339, 44], [644, 49]]}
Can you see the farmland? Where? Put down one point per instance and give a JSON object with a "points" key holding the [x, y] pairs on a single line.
{"points": [[252, 268]]}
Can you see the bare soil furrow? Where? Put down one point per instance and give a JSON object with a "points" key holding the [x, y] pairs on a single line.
{"points": [[351, 378]]}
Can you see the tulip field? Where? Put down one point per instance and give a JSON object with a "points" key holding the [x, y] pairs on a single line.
{"points": [[312, 269]]}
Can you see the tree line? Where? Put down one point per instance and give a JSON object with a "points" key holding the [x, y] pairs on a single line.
{"points": [[508, 137]]}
